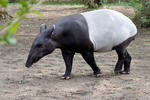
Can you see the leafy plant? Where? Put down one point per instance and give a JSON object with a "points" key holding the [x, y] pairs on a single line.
{"points": [[8, 30], [142, 18], [3, 3], [93, 3]]}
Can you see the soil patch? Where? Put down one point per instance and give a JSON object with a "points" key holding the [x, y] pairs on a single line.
{"points": [[42, 81]]}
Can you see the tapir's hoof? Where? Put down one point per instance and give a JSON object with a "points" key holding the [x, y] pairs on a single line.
{"points": [[121, 72], [125, 72], [98, 74], [66, 77], [118, 72]]}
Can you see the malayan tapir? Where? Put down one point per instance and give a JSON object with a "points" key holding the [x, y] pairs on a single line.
{"points": [[85, 33]]}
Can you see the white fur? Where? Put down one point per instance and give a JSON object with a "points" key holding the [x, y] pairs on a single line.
{"points": [[108, 28]]}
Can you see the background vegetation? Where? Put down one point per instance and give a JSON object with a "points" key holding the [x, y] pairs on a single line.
{"points": [[7, 31], [142, 18]]}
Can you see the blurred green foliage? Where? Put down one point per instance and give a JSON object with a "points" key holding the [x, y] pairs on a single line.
{"points": [[9, 29], [3, 3], [142, 18]]}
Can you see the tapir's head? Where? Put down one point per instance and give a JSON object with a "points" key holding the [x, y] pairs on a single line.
{"points": [[41, 46]]}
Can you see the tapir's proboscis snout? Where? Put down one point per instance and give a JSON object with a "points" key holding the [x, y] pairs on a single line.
{"points": [[85, 33], [32, 59], [29, 62]]}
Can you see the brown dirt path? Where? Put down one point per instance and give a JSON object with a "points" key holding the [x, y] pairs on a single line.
{"points": [[42, 81]]}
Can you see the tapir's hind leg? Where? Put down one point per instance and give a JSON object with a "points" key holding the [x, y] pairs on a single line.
{"points": [[120, 62], [123, 58], [68, 58], [89, 58], [127, 62]]}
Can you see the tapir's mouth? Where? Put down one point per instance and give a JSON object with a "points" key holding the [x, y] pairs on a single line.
{"points": [[30, 61], [33, 59], [37, 59], [28, 64]]}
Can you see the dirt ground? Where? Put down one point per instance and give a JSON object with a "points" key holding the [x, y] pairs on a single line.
{"points": [[42, 81]]}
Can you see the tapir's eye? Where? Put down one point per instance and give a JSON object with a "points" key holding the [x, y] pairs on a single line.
{"points": [[39, 45]]}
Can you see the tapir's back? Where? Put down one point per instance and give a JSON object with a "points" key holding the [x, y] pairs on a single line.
{"points": [[108, 28]]}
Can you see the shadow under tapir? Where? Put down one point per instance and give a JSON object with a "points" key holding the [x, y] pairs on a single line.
{"points": [[85, 33]]}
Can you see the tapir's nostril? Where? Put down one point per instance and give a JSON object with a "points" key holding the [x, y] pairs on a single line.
{"points": [[28, 63]]}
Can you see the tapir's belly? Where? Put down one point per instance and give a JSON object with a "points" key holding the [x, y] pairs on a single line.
{"points": [[108, 28]]}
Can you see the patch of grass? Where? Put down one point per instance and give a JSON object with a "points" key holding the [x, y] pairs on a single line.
{"points": [[13, 3], [148, 41], [128, 87], [61, 3], [72, 3], [133, 4], [22, 82]]}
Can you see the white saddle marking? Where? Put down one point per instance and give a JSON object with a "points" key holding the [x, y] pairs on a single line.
{"points": [[108, 28]]}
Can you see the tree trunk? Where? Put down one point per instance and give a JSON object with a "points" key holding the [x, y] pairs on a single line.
{"points": [[93, 3], [98, 2]]}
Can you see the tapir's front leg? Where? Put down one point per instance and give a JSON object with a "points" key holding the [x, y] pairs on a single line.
{"points": [[89, 58], [68, 57]]}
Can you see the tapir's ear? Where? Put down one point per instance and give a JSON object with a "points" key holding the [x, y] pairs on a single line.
{"points": [[42, 27], [50, 30]]}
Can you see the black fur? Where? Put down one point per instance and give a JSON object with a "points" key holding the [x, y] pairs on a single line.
{"points": [[72, 34]]}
